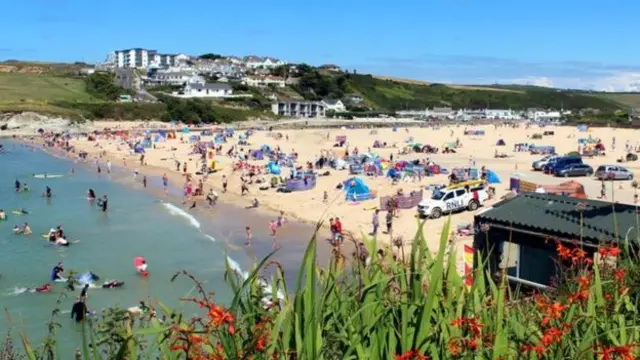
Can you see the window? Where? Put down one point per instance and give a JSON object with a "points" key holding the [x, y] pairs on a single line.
{"points": [[449, 196], [460, 192]]}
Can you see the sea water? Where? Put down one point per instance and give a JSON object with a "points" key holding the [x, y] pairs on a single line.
{"points": [[137, 223]]}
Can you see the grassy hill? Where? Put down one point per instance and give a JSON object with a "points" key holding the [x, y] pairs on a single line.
{"points": [[53, 88]]}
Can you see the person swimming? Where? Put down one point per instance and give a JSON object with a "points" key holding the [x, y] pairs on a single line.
{"points": [[18, 185], [17, 229], [26, 230], [110, 284], [47, 192], [25, 188], [91, 195], [142, 268], [57, 271], [3, 215], [52, 235], [41, 289]]}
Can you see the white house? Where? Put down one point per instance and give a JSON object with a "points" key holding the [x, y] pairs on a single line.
{"points": [[501, 114], [200, 90], [334, 105], [254, 62], [262, 81], [176, 78], [545, 116]]}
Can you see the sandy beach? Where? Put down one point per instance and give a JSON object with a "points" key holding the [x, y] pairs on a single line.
{"points": [[310, 205]]}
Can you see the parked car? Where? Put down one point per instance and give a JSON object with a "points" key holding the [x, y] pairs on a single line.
{"points": [[613, 172], [451, 199], [539, 164], [553, 166], [575, 170]]}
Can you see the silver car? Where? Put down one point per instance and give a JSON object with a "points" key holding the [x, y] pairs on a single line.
{"points": [[539, 164], [613, 172]]}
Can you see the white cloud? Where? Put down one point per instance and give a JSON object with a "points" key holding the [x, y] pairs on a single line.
{"points": [[615, 82]]}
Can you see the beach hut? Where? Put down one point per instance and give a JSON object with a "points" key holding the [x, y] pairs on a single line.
{"points": [[356, 190], [500, 143]]}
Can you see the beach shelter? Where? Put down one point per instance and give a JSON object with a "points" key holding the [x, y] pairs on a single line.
{"points": [[500, 143], [492, 177], [138, 148], [356, 190], [273, 168], [185, 130]]}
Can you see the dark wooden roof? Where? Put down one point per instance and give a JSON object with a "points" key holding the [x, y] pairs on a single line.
{"points": [[561, 215]]}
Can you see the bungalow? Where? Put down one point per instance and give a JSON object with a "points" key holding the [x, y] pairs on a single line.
{"points": [[175, 78], [331, 68], [298, 108], [334, 105], [518, 237], [198, 90]]}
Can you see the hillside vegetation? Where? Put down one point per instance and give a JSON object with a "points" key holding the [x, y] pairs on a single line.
{"points": [[56, 89]]}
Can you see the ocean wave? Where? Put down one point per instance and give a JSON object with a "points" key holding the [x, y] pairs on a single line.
{"points": [[210, 237], [18, 290], [235, 267], [176, 211]]}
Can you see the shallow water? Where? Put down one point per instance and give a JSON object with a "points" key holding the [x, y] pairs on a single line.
{"points": [[138, 223]]}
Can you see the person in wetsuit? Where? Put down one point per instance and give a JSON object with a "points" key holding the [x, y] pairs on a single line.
{"points": [[91, 195], [47, 192], [83, 292], [18, 185], [79, 310], [112, 284], [56, 273], [103, 203]]}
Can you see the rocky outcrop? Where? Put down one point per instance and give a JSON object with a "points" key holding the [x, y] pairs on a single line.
{"points": [[30, 123]]}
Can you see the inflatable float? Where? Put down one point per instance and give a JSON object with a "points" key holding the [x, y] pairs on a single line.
{"points": [[141, 266], [19, 212]]}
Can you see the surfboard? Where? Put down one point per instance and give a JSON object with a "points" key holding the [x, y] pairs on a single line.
{"points": [[18, 212], [47, 176], [471, 184]]}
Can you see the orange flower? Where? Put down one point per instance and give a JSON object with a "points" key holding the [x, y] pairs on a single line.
{"points": [[218, 317], [412, 355], [618, 275], [578, 254], [472, 344], [555, 310], [579, 296], [454, 348], [551, 336], [617, 352], [539, 349], [612, 251], [261, 345], [563, 252], [584, 281]]}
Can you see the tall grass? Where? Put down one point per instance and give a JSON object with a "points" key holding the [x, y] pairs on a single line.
{"points": [[383, 308]]}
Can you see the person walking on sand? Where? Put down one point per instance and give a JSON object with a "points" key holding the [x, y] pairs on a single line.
{"points": [[375, 222], [108, 166], [165, 182], [389, 221], [225, 182], [144, 181], [247, 236]]}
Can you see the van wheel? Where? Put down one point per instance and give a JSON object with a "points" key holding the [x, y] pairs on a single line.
{"points": [[630, 177], [473, 205], [436, 213]]}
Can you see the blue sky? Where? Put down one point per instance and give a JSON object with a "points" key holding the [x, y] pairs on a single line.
{"points": [[561, 43]]}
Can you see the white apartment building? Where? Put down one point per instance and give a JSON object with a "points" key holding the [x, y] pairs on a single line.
{"points": [[176, 78], [254, 62], [139, 58], [298, 108]]}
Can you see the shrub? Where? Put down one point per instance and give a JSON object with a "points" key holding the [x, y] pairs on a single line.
{"points": [[385, 306]]}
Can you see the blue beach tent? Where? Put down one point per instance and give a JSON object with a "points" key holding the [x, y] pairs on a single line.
{"points": [[356, 190], [493, 178]]}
